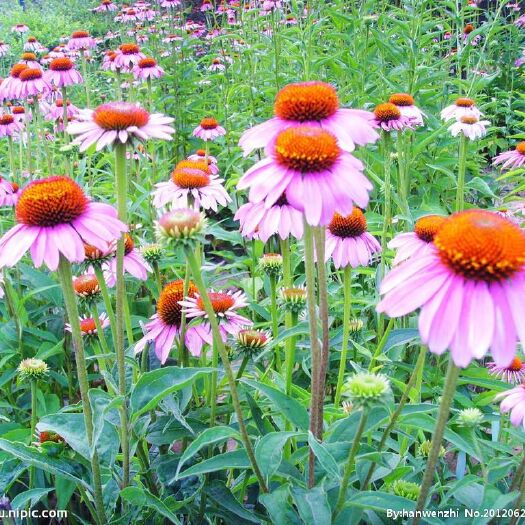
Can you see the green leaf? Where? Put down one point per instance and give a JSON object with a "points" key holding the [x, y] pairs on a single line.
{"points": [[325, 458], [58, 467], [380, 502], [236, 459], [157, 384], [312, 505], [208, 437], [279, 508], [269, 451], [221, 495], [140, 497], [29, 497], [289, 407]]}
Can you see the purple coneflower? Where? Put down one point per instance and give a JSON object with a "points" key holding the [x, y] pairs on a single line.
{"points": [[9, 126], [407, 107], [81, 40], [259, 222], [513, 402], [348, 242], [511, 159], [191, 184], [318, 177], [134, 263], [224, 305], [209, 129], [389, 117], [147, 68], [118, 122], [55, 217], [418, 242], [463, 107], [469, 287], [165, 325], [513, 373], [313, 104], [62, 73], [470, 126], [127, 56]]}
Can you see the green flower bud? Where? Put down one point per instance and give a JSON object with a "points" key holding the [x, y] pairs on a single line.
{"points": [[32, 369]]}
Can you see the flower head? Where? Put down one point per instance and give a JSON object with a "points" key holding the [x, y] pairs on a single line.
{"points": [[407, 107], [469, 286], [405, 489], [182, 225], [293, 299], [56, 218], [88, 326], [347, 241], [470, 126], [513, 402], [164, 326], [87, 286], [9, 125], [62, 73], [511, 159], [425, 447], [81, 40], [315, 104], [271, 264], [366, 389], [316, 175], [192, 183], [209, 129], [389, 117], [416, 243], [463, 107], [118, 122], [147, 68], [513, 373], [470, 417], [152, 253], [252, 341], [33, 369]]}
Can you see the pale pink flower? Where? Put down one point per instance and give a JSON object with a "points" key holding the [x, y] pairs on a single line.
{"points": [[224, 305], [513, 402], [259, 222], [470, 288], [348, 242], [463, 107], [471, 127], [191, 184], [418, 242], [312, 104], [55, 217], [147, 68], [407, 107], [62, 73], [118, 122], [81, 40], [318, 177], [209, 129], [511, 159]]}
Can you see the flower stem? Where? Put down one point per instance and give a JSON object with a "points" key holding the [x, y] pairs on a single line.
{"points": [[66, 279], [218, 343], [393, 419], [387, 188], [347, 309], [349, 467], [34, 398], [107, 302], [122, 193], [275, 320], [518, 507], [462, 163], [444, 410], [314, 339]]}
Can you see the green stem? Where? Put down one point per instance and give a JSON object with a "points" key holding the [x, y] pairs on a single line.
{"points": [[122, 193], [462, 163], [34, 399], [393, 419], [290, 354], [85, 76], [518, 475], [107, 302], [518, 506], [347, 309], [349, 467], [387, 188], [241, 369], [314, 339], [197, 276], [381, 344], [444, 410], [275, 320], [66, 279]]}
